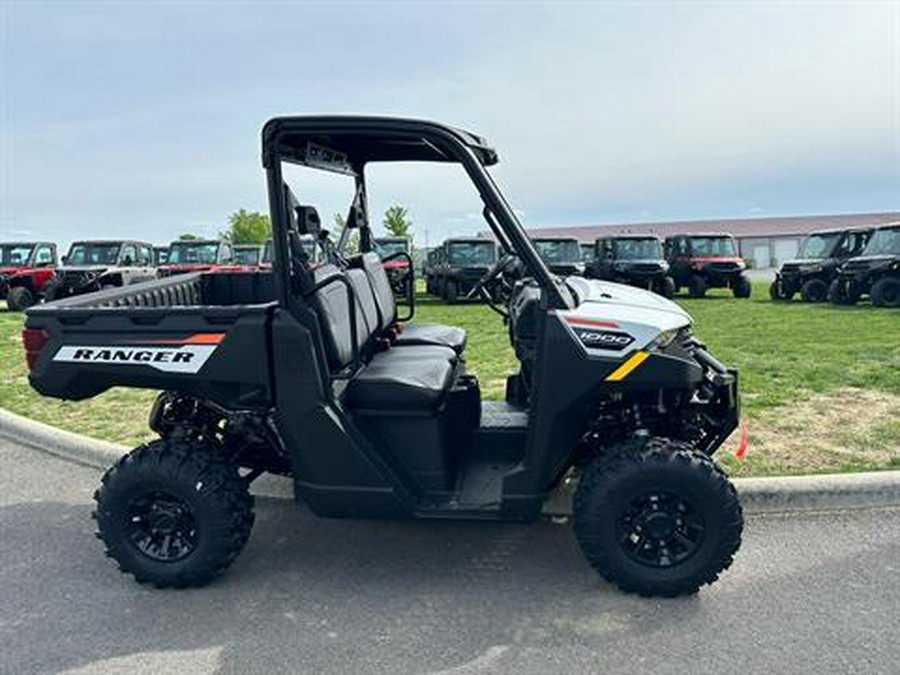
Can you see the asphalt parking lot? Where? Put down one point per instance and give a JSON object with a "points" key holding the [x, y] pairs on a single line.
{"points": [[807, 594]]}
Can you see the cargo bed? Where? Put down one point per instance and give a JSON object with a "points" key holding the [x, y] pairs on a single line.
{"points": [[159, 334]]}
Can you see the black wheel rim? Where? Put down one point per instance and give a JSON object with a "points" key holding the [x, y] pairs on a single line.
{"points": [[660, 529], [891, 294], [161, 526]]}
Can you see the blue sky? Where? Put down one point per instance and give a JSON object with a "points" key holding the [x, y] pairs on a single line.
{"points": [[143, 120]]}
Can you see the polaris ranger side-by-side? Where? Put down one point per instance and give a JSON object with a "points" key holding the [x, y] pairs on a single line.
{"points": [[305, 372], [636, 260], [562, 255], [875, 273], [817, 262], [248, 255], [702, 261], [25, 268], [91, 266], [199, 255], [462, 264]]}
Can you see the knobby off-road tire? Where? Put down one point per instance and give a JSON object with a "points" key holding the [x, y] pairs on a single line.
{"points": [[742, 287], [173, 514], [657, 518], [451, 292], [19, 299], [697, 288], [886, 292], [814, 290], [777, 293]]}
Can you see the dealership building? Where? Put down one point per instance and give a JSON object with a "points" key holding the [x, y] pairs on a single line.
{"points": [[763, 242]]}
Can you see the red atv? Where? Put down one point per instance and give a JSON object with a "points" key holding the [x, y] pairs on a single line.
{"points": [[25, 267], [201, 255]]}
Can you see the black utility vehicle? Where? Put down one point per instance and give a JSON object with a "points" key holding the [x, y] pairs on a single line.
{"points": [[91, 266], [562, 255], [702, 261], [632, 259], [876, 272], [463, 261], [307, 373], [817, 262], [160, 255]]}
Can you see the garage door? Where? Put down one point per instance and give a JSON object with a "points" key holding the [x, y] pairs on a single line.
{"points": [[761, 256], [785, 249]]}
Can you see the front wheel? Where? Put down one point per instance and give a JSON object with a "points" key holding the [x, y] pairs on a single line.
{"points": [[840, 294], [174, 514], [450, 292], [697, 288], [658, 518], [19, 299], [742, 287], [666, 287]]}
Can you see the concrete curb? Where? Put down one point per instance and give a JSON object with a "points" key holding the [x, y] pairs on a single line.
{"points": [[758, 495]]}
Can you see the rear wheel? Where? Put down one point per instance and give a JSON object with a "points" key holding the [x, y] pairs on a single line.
{"points": [[886, 292], [697, 288], [173, 513], [659, 518], [814, 290], [742, 287], [19, 299]]}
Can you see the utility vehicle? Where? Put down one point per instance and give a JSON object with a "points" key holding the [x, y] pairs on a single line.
{"points": [[875, 273], [306, 241], [395, 253], [636, 260], [562, 255], [25, 268], [702, 261], [248, 255], [305, 372], [199, 255], [817, 262], [91, 266], [462, 264], [587, 252]]}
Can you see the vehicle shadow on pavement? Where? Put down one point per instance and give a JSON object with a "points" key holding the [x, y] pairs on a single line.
{"points": [[313, 595]]}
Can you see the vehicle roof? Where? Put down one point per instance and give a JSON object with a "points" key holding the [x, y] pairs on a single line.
{"points": [[575, 239], [196, 241], [27, 243], [391, 238], [112, 241], [473, 240], [247, 245], [838, 230], [888, 226], [364, 139]]}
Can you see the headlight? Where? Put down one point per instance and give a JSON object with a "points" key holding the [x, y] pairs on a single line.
{"points": [[663, 340]]}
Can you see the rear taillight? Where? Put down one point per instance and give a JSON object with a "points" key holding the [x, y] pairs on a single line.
{"points": [[34, 340]]}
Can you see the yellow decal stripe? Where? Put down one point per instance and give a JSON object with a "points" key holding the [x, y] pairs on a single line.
{"points": [[625, 369]]}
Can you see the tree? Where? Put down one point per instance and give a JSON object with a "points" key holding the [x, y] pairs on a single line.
{"points": [[247, 227], [187, 236], [396, 221]]}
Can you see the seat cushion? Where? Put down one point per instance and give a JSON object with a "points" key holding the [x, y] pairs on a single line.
{"points": [[417, 352], [432, 334], [400, 384]]}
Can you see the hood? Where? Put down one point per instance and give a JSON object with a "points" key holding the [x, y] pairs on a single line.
{"points": [[870, 261], [604, 300], [83, 268]]}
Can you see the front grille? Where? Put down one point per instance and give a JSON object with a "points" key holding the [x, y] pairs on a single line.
{"points": [[76, 279], [723, 267], [646, 268]]}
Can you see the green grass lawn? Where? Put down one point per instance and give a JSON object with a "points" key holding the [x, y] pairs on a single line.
{"points": [[820, 384]]}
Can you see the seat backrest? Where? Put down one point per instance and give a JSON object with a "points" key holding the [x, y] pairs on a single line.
{"points": [[331, 302], [381, 289], [365, 299]]}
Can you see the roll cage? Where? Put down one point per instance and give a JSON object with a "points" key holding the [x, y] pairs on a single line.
{"points": [[346, 144]]}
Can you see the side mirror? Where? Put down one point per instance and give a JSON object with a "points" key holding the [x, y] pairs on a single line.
{"points": [[128, 261], [65, 260]]}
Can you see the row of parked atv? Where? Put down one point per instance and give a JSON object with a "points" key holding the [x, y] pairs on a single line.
{"points": [[695, 262], [842, 265], [29, 271]]}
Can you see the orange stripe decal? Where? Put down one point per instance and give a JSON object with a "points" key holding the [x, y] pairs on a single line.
{"points": [[195, 339]]}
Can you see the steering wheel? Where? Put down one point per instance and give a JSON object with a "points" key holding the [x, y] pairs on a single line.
{"points": [[480, 288]]}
